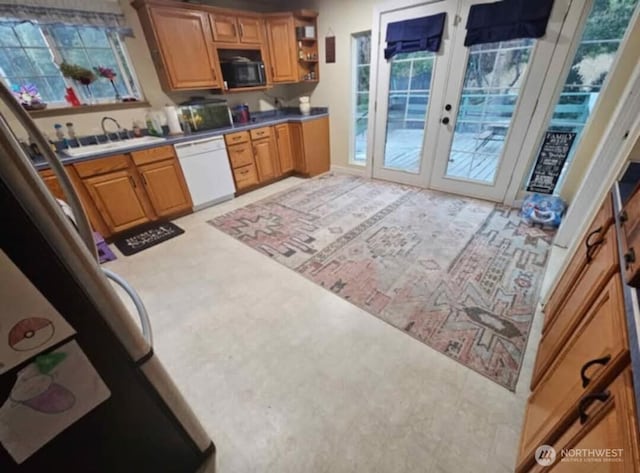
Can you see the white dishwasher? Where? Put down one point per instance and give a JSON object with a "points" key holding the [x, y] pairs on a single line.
{"points": [[206, 168]]}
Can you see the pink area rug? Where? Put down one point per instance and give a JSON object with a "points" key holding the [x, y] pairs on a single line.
{"points": [[460, 275]]}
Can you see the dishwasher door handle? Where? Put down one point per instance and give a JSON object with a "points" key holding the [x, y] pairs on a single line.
{"points": [[145, 322]]}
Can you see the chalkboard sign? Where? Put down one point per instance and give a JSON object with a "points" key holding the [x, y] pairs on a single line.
{"points": [[553, 154]]}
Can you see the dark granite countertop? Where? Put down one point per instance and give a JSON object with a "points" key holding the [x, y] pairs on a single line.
{"points": [[258, 119]]}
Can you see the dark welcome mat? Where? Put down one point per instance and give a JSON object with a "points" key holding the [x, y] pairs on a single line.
{"points": [[144, 237]]}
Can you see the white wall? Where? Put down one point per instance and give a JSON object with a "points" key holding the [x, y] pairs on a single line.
{"points": [[339, 18]]}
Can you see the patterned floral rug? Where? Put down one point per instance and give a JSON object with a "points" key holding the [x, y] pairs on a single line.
{"points": [[460, 275]]}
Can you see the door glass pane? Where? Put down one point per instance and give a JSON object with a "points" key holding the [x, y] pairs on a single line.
{"points": [[603, 33], [361, 64], [494, 76], [409, 88]]}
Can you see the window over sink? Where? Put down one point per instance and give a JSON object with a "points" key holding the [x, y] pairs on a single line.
{"points": [[31, 54]]}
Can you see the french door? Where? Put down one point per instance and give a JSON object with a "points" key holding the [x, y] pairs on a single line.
{"points": [[455, 120]]}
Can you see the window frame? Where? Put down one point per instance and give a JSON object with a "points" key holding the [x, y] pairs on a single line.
{"points": [[354, 94], [125, 66]]}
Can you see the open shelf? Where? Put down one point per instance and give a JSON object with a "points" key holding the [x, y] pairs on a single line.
{"points": [[311, 61]]}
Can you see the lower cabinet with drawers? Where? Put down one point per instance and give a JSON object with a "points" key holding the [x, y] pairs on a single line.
{"points": [[582, 389], [262, 155]]}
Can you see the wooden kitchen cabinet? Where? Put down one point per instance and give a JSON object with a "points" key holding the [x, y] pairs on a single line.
{"points": [[311, 147], [51, 181], [224, 27], [127, 190], [586, 251], [180, 41], [166, 187], [596, 349], [609, 421], [228, 28], [240, 155], [630, 238], [250, 29], [577, 299], [282, 48], [246, 177], [119, 198], [285, 154], [265, 153]]}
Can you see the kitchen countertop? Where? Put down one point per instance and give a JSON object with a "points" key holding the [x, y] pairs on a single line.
{"points": [[259, 119]]}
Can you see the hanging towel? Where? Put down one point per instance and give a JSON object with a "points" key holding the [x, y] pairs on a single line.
{"points": [[419, 34], [508, 19]]}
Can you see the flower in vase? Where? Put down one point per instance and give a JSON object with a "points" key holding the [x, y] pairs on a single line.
{"points": [[27, 94], [105, 72]]}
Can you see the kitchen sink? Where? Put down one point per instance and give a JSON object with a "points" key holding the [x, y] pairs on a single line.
{"points": [[111, 146]]}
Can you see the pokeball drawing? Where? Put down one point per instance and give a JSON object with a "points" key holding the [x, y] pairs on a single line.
{"points": [[31, 333]]}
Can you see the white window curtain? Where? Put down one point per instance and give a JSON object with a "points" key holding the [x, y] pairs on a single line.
{"points": [[104, 13]]}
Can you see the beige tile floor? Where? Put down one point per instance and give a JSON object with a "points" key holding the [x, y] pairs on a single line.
{"points": [[288, 377]]}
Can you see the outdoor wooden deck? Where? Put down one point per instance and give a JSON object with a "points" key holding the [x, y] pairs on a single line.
{"points": [[473, 157]]}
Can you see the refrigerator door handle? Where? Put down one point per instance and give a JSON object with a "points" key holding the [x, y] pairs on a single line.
{"points": [[145, 322], [84, 228]]}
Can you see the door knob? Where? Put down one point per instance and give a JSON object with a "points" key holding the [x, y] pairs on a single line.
{"points": [[445, 121], [448, 107]]}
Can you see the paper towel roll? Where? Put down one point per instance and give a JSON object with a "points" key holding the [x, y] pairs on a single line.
{"points": [[172, 120]]}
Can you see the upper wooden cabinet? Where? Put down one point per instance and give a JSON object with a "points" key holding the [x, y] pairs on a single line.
{"points": [[187, 42], [224, 28], [282, 41], [180, 41], [228, 28], [250, 30]]}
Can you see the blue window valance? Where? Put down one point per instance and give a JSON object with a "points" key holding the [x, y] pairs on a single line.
{"points": [[508, 19], [418, 34]]}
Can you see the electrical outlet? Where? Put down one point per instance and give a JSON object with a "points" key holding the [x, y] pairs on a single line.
{"points": [[277, 103]]}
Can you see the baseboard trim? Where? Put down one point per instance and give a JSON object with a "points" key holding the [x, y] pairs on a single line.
{"points": [[349, 170]]}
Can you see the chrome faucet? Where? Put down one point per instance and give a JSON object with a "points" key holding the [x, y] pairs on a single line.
{"points": [[104, 129]]}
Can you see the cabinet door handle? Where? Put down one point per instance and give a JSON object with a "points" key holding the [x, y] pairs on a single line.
{"points": [[241, 30], [591, 246], [598, 361], [629, 258], [586, 402], [144, 179], [133, 182], [624, 216]]}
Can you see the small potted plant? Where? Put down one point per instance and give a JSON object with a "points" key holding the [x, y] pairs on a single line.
{"points": [[79, 74], [29, 97], [107, 73]]}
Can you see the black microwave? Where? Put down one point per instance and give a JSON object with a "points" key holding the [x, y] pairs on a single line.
{"points": [[243, 74]]}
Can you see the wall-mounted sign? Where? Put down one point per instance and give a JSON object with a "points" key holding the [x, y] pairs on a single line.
{"points": [[553, 154], [330, 49]]}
